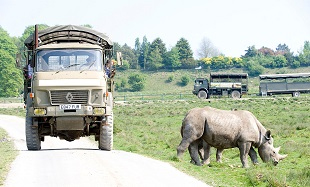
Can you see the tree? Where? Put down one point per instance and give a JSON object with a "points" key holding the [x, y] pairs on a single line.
{"points": [[185, 53], [27, 32], [10, 76], [6, 43], [129, 54], [265, 51], [144, 51], [207, 49], [250, 52], [171, 59], [158, 44], [155, 60], [137, 52], [282, 49], [304, 56]]}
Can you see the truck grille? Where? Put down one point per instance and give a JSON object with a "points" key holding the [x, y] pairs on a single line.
{"points": [[69, 97]]}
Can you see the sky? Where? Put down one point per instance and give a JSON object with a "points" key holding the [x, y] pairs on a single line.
{"points": [[231, 25]]}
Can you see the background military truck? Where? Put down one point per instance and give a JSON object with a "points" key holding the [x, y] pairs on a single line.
{"points": [[67, 91], [222, 84]]}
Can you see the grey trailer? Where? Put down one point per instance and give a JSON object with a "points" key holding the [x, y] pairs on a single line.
{"points": [[293, 83]]}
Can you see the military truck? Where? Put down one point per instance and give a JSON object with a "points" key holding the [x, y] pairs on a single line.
{"points": [[222, 84], [68, 93]]}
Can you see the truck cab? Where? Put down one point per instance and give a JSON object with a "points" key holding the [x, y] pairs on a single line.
{"points": [[201, 88]]}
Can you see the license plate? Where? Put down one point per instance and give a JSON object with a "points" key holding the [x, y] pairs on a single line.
{"points": [[70, 107]]}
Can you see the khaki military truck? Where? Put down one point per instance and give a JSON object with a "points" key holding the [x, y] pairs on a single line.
{"points": [[69, 85], [222, 84]]}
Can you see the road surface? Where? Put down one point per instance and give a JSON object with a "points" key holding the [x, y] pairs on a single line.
{"points": [[80, 163]]}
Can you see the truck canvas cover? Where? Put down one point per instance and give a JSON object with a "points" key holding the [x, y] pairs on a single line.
{"points": [[229, 75], [70, 33], [284, 76]]}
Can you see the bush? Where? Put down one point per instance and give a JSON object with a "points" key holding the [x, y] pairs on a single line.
{"points": [[185, 80], [170, 78], [254, 69], [136, 82]]}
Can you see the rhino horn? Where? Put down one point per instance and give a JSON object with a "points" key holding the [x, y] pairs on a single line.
{"points": [[277, 149], [282, 157]]}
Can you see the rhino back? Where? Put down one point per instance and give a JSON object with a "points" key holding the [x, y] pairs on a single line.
{"points": [[224, 129]]}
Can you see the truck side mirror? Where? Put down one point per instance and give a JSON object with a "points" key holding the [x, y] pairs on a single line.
{"points": [[119, 58], [18, 60]]}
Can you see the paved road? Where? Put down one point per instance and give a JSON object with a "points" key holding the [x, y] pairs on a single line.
{"points": [[80, 163]]}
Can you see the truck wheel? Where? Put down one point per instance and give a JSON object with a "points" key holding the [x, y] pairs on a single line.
{"points": [[296, 94], [202, 94], [32, 133], [106, 134], [235, 94]]}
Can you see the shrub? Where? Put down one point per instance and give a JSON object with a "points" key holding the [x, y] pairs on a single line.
{"points": [[185, 80], [137, 82], [254, 69], [170, 78]]}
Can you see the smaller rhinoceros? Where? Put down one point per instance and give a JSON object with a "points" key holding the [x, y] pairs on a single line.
{"points": [[225, 129]]}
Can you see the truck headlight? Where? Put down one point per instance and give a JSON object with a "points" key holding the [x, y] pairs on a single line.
{"points": [[99, 111], [39, 111]]}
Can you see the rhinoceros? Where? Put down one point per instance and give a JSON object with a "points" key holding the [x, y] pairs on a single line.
{"points": [[225, 129]]}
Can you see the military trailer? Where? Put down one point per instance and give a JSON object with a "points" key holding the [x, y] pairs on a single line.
{"points": [[68, 93], [222, 84], [294, 84]]}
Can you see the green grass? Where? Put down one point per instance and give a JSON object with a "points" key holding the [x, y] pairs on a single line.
{"points": [[7, 155], [153, 129]]}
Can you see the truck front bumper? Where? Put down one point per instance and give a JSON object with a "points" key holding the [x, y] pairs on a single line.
{"points": [[55, 111]]}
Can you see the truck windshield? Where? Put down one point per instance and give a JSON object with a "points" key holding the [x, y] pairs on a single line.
{"points": [[69, 60]]}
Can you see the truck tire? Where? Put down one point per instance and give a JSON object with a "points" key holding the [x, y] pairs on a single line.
{"points": [[32, 133], [202, 94], [296, 94], [235, 94], [106, 134]]}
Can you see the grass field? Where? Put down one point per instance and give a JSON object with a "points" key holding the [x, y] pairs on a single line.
{"points": [[152, 128]]}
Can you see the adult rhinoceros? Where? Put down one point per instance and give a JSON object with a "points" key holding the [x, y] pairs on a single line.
{"points": [[225, 129]]}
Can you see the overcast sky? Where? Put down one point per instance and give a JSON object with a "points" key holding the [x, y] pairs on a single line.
{"points": [[231, 25]]}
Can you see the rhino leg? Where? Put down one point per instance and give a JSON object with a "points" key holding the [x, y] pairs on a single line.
{"points": [[244, 148], [253, 155], [219, 153], [201, 148], [193, 151], [206, 156], [182, 147]]}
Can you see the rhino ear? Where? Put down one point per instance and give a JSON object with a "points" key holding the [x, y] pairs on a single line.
{"points": [[268, 135]]}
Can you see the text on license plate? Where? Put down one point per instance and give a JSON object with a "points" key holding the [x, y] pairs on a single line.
{"points": [[70, 107]]}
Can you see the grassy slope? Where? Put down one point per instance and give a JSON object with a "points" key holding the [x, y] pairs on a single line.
{"points": [[156, 82]]}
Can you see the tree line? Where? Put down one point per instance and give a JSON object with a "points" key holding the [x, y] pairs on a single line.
{"points": [[152, 56]]}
